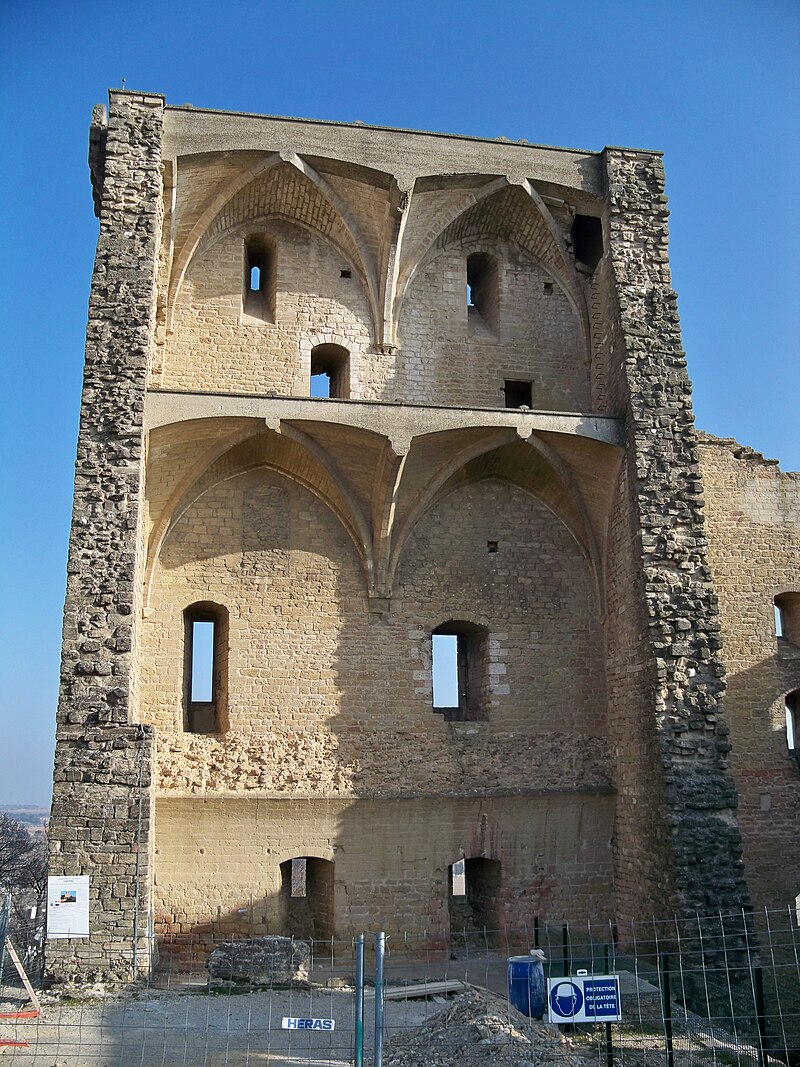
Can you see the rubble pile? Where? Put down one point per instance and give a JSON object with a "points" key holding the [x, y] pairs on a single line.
{"points": [[480, 1028]]}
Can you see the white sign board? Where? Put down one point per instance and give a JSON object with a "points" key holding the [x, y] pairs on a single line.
{"points": [[584, 999], [308, 1024], [68, 906]]}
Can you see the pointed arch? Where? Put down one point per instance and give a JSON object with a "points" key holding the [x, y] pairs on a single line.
{"points": [[227, 460], [354, 246], [447, 480], [518, 214]]}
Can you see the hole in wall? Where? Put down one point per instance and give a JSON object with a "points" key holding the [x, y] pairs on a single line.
{"points": [[587, 240], [330, 372], [518, 394]]}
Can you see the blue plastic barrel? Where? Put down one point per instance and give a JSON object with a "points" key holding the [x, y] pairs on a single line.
{"points": [[526, 985]]}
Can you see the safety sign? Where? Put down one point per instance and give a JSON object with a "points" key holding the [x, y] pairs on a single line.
{"points": [[584, 999]]}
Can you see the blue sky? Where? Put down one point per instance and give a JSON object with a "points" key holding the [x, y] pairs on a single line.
{"points": [[713, 83]]}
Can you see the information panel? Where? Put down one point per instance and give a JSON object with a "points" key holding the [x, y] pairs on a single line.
{"points": [[68, 906], [584, 999]]}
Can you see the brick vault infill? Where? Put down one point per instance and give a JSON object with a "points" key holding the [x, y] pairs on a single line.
{"points": [[683, 616], [101, 811]]}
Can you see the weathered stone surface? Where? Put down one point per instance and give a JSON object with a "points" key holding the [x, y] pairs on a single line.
{"points": [[262, 961], [101, 813]]}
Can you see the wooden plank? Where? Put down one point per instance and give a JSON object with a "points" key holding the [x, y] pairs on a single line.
{"points": [[419, 989], [21, 972]]}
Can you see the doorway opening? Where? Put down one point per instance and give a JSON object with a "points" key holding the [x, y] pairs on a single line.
{"points": [[474, 915], [307, 903]]}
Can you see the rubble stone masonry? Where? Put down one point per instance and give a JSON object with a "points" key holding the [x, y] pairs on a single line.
{"points": [[680, 674], [101, 813]]}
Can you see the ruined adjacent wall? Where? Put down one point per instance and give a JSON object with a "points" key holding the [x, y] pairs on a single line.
{"points": [[753, 517]]}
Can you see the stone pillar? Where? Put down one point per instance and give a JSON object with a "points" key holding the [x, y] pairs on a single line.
{"points": [[102, 804], [677, 843]]}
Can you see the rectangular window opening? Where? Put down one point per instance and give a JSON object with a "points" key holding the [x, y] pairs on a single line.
{"points": [[445, 670], [202, 676], [345, 274], [791, 739], [778, 622], [518, 394], [259, 278]]}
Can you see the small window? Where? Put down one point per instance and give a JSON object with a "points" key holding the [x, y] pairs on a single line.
{"points": [[330, 372], [587, 241], [793, 723], [259, 279], [518, 394], [206, 668], [482, 288], [787, 617], [460, 676]]}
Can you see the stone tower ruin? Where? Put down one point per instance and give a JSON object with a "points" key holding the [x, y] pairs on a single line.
{"points": [[356, 398]]}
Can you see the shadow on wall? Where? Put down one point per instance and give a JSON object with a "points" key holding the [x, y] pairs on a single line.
{"points": [[326, 700], [767, 773]]}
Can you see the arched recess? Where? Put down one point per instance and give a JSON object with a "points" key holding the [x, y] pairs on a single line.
{"points": [[290, 453], [243, 200], [307, 886], [513, 212], [535, 470], [327, 341]]}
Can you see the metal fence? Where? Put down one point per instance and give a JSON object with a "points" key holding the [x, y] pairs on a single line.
{"points": [[717, 990]]}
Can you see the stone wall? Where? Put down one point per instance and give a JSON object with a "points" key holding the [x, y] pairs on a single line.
{"points": [[753, 518], [334, 546], [218, 861], [659, 514], [451, 355], [101, 810], [326, 698], [214, 347]]}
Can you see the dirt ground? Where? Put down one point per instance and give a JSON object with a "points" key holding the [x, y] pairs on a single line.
{"points": [[191, 1028]]}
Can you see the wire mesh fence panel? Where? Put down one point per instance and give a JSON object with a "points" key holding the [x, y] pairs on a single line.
{"points": [[719, 990]]}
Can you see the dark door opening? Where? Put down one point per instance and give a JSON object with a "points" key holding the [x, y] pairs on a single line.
{"points": [[307, 898], [474, 917]]}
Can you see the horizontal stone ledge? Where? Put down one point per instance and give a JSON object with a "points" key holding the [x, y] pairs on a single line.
{"points": [[369, 797], [400, 422]]}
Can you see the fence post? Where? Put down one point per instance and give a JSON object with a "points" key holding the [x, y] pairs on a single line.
{"points": [[5, 914], [380, 947], [666, 1007], [565, 953], [609, 1044], [761, 1018], [359, 1057]]}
